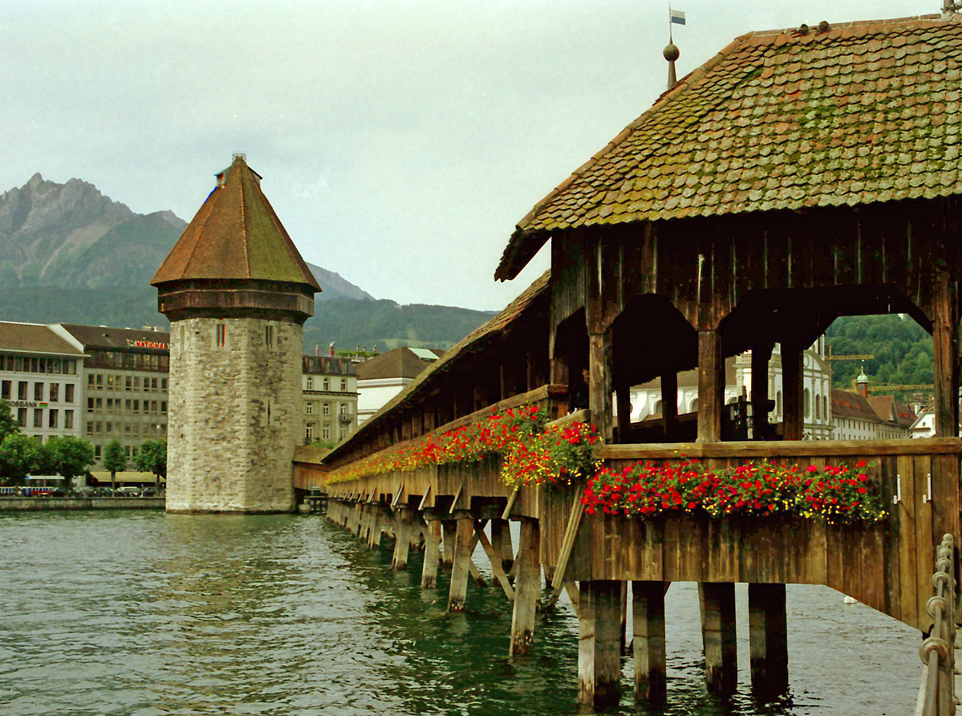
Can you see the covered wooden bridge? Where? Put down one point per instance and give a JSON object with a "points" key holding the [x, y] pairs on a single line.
{"points": [[796, 177]]}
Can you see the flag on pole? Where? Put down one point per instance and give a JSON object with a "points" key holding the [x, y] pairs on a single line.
{"points": [[677, 17]]}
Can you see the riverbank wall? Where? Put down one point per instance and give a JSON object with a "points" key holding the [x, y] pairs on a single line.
{"points": [[39, 504]]}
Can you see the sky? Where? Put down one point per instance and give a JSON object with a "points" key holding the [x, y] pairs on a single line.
{"points": [[400, 141]]}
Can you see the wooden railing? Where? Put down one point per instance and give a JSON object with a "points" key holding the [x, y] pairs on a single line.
{"points": [[937, 693]]}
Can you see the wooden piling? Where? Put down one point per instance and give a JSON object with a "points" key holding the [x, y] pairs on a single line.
{"points": [[717, 601], [462, 563], [448, 531], [402, 543], [432, 545], [501, 542], [527, 591], [768, 638], [599, 655], [648, 642]]}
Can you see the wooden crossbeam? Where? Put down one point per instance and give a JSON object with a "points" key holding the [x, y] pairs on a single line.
{"points": [[495, 558], [571, 532]]}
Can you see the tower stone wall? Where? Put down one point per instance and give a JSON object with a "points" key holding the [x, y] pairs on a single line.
{"points": [[233, 419]]}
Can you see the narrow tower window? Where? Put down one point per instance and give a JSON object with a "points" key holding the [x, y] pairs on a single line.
{"points": [[269, 336], [221, 335]]}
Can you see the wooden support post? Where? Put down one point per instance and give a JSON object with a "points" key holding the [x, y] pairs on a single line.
{"points": [[761, 355], [374, 538], [768, 638], [599, 656], [432, 545], [711, 386], [623, 630], [717, 601], [494, 557], [462, 562], [793, 384], [648, 641], [448, 530], [501, 542], [599, 383], [669, 403], [402, 542], [945, 357], [527, 588]]}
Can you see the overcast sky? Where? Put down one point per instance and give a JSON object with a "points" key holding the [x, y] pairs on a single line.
{"points": [[400, 142]]}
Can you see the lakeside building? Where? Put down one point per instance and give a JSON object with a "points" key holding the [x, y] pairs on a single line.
{"points": [[646, 399], [860, 417], [381, 378], [329, 387], [125, 386], [40, 376]]}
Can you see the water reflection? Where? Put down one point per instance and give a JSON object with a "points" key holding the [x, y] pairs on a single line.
{"points": [[150, 614]]}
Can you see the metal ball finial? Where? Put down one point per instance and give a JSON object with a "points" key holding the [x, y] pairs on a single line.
{"points": [[671, 52]]}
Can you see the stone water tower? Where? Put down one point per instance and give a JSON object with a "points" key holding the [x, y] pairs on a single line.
{"points": [[237, 294]]}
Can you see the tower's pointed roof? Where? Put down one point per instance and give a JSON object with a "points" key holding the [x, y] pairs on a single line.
{"points": [[235, 235]]}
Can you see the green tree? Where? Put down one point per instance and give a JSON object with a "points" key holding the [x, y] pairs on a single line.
{"points": [[19, 455], [70, 456], [152, 457], [8, 424], [114, 460]]}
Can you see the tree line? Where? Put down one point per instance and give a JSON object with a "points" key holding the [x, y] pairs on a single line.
{"points": [[68, 456]]}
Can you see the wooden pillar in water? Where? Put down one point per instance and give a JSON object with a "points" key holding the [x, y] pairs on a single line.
{"points": [[648, 642], [945, 356], [462, 562], [768, 638], [501, 542], [402, 542], [717, 601], [761, 355], [448, 532], [374, 538], [527, 588], [794, 386], [599, 652], [432, 545], [711, 386]]}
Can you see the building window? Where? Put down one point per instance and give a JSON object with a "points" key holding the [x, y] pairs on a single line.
{"points": [[110, 404], [96, 452], [109, 428], [22, 417], [310, 408], [110, 382], [163, 384], [68, 393], [808, 403], [153, 406], [90, 428], [220, 335], [99, 403], [127, 405], [269, 336], [68, 419], [163, 407], [97, 427], [22, 388], [38, 392], [343, 384], [137, 382], [38, 418], [100, 381], [5, 390], [310, 383], [90, 405], [137, 406], [129, 384], [309, 433], [326, 433], [127, 451], [153, 384], [326, 409], [55, 392], [327, 384], [54, 418]]}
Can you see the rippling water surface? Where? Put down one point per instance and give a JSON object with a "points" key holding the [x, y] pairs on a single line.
{"points": [[150, 614]]}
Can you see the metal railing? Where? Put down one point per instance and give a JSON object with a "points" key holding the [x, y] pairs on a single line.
{"points": [[937, 697]]}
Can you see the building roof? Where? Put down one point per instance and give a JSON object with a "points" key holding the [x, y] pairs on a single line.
{"points": [[34, 338], [853, 114], [326, 365], [892, 410], [236, 235], [398, 363], [107, 338], [473, 342], [846, 404]]}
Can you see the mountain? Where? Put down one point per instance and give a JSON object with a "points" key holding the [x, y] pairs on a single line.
{"points": [[70, 236]]}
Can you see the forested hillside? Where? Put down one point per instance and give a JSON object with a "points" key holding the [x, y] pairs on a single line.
{"points": [[902, 350]]}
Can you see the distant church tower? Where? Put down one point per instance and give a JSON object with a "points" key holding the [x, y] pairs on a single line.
{"points": [[237, 294]]}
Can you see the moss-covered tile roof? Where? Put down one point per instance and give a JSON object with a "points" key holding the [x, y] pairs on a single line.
{"points": [[829, 116], [236, 235]]}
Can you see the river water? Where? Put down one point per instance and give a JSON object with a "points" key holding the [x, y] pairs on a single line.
{"points": [[149, 614]]}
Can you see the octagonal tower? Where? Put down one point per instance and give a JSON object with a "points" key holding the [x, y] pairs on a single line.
{"points": [[237, 293]]}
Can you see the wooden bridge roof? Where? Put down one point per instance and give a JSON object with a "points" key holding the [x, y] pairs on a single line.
{"points": [[474, 342], [236, 235], [826, 116]]}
